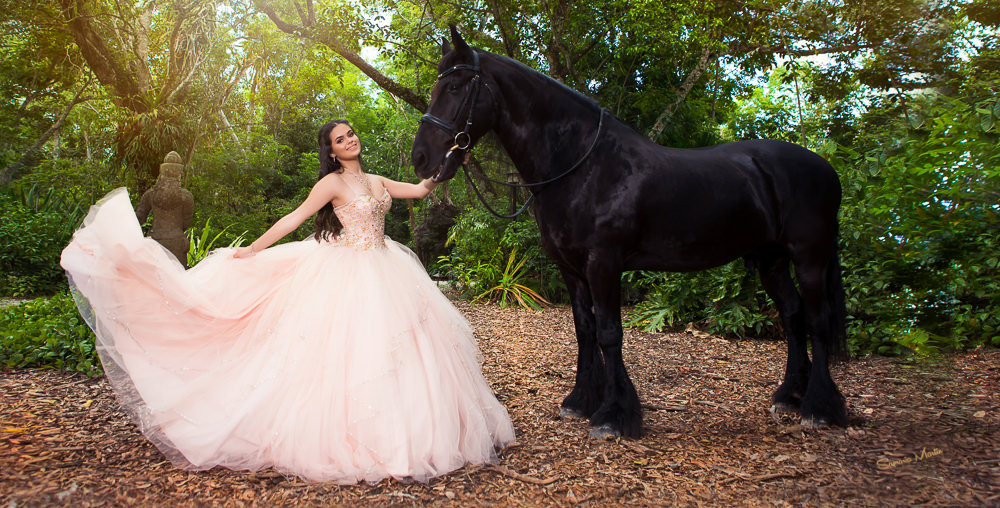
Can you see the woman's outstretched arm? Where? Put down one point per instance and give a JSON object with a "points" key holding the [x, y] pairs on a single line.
{"points": [[405, 190], [325, 190]]}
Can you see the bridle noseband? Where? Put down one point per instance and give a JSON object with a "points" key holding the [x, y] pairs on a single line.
{"points": [[463, 138]]}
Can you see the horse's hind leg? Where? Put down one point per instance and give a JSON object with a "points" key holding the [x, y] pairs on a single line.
{"points": [[776, 278], [823, 403], [588, 391]]}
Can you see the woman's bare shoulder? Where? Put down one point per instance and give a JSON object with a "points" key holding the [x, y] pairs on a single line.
{"points": [[334, 182]]}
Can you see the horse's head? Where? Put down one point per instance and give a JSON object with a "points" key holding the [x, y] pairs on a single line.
{"points": [[458, 114]]}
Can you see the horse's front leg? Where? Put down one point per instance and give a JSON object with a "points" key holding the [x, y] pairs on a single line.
{"points": [[620, 413], [588, 392]]}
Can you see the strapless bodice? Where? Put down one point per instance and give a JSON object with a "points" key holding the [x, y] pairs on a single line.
{"points": [[364, 220]]}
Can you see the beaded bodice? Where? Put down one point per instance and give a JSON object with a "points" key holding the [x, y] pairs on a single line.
{"points": [[364, 220]]}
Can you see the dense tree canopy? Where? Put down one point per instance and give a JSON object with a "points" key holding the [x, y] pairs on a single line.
{"points": [[902, 95]]}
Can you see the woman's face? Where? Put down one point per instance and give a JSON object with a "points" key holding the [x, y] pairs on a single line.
{"points": [[346, 145]]}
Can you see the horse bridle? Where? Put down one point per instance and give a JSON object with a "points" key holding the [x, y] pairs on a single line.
{"points": [[463, 138]]}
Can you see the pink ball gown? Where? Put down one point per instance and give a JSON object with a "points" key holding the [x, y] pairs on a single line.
{"points": [[331, 361]]}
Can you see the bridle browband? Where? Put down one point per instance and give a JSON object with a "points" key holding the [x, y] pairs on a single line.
{"points": [[463, 138]]}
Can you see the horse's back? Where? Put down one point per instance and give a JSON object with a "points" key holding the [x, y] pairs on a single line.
{"points": [[778, 159], [785, 178], [724, 201]]}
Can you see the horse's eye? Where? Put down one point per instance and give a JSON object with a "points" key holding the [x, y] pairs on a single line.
{"points": [[453, 87]]}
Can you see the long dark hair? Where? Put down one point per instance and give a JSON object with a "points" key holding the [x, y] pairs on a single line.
{"points": [[328, 225]]}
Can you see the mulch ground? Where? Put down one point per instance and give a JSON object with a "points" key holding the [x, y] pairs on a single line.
{"points": [[923, 433]]}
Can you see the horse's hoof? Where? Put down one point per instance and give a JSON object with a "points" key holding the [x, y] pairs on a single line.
{"points": [[605, 432], [568, 412], [815, 422], [781, 412], [783, 408]]}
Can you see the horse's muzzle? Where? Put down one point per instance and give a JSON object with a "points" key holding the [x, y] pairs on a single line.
{"points": [[448, 167]]}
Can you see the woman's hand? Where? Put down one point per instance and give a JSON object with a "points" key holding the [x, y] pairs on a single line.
{"points": [[244, 252]]}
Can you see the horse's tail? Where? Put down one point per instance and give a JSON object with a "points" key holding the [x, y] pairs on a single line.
{"points": [[838, 308]]}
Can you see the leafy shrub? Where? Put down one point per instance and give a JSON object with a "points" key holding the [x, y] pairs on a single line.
{"points": [[484, 257], [31, 242], [47, 333], [726, 300], [920, 228]]}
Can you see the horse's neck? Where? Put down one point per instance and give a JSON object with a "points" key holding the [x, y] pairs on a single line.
{"points": [[526, 134]]}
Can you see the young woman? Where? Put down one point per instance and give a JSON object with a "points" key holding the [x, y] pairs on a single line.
{"points": [[332, 359]]}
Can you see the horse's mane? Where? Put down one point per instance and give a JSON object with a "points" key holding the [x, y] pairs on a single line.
{"points": [[538, 75]]}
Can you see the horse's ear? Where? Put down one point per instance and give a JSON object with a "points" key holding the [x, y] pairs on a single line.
{"points": [[445, 46], [457, 40]]}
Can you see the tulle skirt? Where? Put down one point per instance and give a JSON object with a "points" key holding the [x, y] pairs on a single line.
{"points": [[324, 361]]}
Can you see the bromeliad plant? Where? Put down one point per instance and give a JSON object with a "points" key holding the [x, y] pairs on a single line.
{"points": [[201, 245], [509, 288]]}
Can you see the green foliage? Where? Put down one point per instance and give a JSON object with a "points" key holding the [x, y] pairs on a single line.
{"points": [[34, 229], [47, 333], [484, 261], [201, 245], [46, 199], [73, 182], [38, 214], [920, 226], [249, 191], [726, 300]]}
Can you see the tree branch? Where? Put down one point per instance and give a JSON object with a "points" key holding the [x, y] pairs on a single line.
{"points": [[8, 173], [141, 48], [333, 42], [742, 49]]}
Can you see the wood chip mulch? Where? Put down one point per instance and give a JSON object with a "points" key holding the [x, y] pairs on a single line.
{"points": [[923, 433]]}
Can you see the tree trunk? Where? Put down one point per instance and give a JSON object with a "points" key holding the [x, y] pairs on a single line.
{"points": [[104, 63], [232, 132], [689, 82], [798, 101]]}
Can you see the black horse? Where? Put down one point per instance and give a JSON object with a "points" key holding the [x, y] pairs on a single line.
{"points": [[607, 199]]}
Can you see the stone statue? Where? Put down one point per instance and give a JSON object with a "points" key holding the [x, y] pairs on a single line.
{"points": [[172, 206]]}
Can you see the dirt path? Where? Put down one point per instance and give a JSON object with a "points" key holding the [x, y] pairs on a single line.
{"points": [[923, 434]]}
